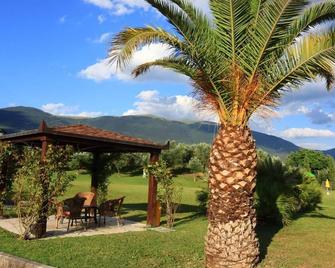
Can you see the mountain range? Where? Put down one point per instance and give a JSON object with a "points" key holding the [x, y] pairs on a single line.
{"points": [[15, 119]]}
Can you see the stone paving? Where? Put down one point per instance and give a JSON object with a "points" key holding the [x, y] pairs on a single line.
{"points": [[111, 227]]}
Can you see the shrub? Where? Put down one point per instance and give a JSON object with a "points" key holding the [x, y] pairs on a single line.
{"points": [[202, 199], [309, 193], [169, 194], [37, 183], [281, 191], [8, 165]]}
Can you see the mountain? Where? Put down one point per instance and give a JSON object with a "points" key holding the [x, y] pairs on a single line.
{"points": [[20, 118], [330, 152]]}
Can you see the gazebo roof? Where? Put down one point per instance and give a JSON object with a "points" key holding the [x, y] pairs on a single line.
{"points": [[84, 138]]}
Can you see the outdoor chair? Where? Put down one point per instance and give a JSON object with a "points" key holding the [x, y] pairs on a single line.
{"points": [[73, 210], [89, 196], [111, 208]]}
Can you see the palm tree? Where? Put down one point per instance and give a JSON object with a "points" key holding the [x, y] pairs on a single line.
{"points": [[240, 59]]}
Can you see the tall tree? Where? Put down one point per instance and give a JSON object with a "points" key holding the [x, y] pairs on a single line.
{"points": [[240, 59]]}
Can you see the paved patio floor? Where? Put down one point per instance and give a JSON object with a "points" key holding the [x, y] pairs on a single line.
{"points": [[111, 227]]}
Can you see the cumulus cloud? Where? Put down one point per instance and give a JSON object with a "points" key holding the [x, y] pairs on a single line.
{"points": [[311, 101], [179, 107], [62, 19], [99, 71], [313, 146], [103, 38], [124, 7], [64, 110], [119, 7], [107, 4], [101, 19], [103, 70], [307, 133]]}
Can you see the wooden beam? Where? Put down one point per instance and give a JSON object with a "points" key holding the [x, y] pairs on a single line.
{"points": [[153, 219], [44, 146], [94, 175], [42, 220]]}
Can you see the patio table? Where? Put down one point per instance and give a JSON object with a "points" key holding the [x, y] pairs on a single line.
{"points": [[88, 213]]}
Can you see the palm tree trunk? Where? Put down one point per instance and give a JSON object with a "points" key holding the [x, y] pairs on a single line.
{"points": [[231, 238]]}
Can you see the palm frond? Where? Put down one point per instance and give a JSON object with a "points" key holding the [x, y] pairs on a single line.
{"points": [[232, 18], [129, 40], [274, 20], [316, 14], [176, 64], [245, 57], [312, 56]]}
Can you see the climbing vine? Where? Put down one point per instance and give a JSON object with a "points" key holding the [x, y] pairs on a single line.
{"points": [[8, 165], [37, 183], [169, 193]]}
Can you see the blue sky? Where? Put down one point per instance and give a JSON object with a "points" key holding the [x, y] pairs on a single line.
{"points": [[52, 57]]}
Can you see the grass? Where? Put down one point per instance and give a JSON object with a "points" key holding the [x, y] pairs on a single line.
{"points": [[307, 242]]}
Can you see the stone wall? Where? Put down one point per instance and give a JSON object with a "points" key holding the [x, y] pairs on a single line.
{"points": [[9, 261]]}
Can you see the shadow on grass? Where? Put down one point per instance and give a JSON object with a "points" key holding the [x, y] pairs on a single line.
{"points": [[141, 216], [265, 233], [316, 213]]}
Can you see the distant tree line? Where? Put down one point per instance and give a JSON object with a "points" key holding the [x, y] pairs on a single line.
{"points": [[181, 158]]}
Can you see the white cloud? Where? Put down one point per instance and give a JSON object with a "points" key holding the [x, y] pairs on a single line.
{"points": [[179, 107], [307, 133], [314, 146], [101, 19], [103, 38], [62, 19], [120, 7], [107, 4], [120, 10], [102, 70], [63, 110], [124, 7], [98, 72]]}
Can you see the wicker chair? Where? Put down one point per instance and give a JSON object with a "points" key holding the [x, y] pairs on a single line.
{"points": [[89, 196], [90, 200], [111, 208], [73, 210]]}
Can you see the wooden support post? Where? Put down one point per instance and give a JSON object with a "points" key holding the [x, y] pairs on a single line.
{"points": [[94, 175], [152, 196], [41, 224]]}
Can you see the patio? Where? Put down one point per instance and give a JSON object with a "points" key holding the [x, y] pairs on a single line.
{"points": [[12, 225], [97, 142]]}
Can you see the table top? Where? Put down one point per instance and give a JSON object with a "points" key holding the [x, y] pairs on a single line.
{"points": [[90, 206]]}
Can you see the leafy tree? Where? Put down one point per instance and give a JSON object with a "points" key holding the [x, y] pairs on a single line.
{"points": [[240, 59], [195, 165], [102, 167], [313, 161], [169, 193], [37, 183], [201, 151], [8, 165], [308, 159]]}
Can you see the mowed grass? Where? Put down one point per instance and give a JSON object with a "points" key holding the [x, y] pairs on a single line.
{"points": [[307, 242]]}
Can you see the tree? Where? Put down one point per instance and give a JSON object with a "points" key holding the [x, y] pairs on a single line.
{"points": [[8, 165], [195, 166], [169, 193], [37, 183], [240, 60], [316, 162], [201, 151]]}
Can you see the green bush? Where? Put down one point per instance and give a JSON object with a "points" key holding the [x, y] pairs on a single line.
{"points": [[309, 193], [281, 191], [202, 198]]}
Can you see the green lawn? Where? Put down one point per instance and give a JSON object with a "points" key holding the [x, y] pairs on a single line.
{"points": [[307, 242]]}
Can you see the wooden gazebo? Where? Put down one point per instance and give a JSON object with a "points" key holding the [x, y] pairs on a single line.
{"points": [[97, 141]]}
